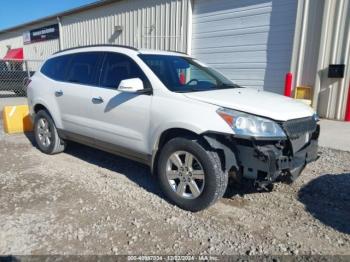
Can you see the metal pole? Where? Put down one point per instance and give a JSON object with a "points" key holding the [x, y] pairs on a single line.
{"points": [[296, 40], [302, 42], [343, 12], [60, 38], [189, 27], [322, 51], [27, 69], [334, 59]]}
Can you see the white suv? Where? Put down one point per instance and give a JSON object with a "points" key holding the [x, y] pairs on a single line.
{"points": [[188, 122]]}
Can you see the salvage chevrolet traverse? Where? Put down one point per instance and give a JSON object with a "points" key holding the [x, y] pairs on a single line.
{"points": [[194, 127]]}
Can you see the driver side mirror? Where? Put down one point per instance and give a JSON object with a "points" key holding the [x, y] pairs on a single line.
{"points": [[131, 85]]}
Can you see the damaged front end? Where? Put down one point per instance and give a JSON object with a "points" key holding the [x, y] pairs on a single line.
{"points": [[266, 161]]}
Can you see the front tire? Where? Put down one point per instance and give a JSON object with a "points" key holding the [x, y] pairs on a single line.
{"points": [[190, 174], [46, 135]]}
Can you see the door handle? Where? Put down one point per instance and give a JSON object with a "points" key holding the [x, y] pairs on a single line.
{"points": [[59, 93], [97, 100]]}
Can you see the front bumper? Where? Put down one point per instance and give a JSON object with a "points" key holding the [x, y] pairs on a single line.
{"points": [[266, 162]]}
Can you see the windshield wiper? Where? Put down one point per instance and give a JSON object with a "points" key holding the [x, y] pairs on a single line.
{"points": [[220, 86], [226, 86], [190, 90]]}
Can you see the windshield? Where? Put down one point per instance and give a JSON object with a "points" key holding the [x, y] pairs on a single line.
{"points": [[184, 74]]}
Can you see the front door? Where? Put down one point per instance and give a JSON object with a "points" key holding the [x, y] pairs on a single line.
{"points": [[120, 118]]}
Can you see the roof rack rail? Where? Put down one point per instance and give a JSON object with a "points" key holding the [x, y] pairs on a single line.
{"points": [[179, 52], [111, 45]]}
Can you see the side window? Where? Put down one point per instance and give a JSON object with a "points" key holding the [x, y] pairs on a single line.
{"points": [[83, 68], [118, 67], [55, 68]]}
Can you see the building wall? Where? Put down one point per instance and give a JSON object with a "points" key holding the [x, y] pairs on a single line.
{"points": [[41, 50], [308, 68], [155, 24], [324, 39], [331, 93], [250, 41]]}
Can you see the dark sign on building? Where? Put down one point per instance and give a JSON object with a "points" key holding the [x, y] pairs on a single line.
{"points": [[41, 34]]}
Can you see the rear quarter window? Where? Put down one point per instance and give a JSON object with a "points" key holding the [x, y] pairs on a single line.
{"points": [[55, 68]]}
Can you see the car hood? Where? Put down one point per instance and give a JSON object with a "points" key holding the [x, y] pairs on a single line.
{"points": [[255, 102]]}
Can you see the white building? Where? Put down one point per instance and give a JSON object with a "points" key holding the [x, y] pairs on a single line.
{"points": [[254, 42]]}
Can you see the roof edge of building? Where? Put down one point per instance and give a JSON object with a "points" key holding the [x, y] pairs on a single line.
{"points": [[64, 13]]}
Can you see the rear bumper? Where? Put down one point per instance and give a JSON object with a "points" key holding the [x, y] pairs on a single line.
{"points": [[268, 162]]}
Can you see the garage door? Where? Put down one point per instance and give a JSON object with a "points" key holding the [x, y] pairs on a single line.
{"points": [[250, 41]]}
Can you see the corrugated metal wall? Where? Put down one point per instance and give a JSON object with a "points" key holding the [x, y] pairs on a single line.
{"points": [[332, 93], [308, 68], [250, 41], [155, 24], [325, 29], [41, 50]]}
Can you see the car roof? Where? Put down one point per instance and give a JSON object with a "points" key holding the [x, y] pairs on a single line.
{"points": [[116, 48]]}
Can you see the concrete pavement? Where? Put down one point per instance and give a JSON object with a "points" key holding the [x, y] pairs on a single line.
{"points": [[335, 134]]}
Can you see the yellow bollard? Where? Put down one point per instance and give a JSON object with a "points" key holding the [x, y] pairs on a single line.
{"points": [[17, 119], [303, 94]]}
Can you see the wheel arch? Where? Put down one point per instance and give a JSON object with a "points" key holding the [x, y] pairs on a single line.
{"points": [[208, 139], [39, 107], [42, 106], [166, 136]]}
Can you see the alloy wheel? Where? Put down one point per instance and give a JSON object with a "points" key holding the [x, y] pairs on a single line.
{"points": [[44, 132], [185, 174]]}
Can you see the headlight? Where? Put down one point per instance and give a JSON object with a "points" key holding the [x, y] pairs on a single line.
{"points": [[251, 126]]}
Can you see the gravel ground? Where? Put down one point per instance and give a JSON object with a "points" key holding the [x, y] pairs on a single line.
{"points": [[85, 201]]}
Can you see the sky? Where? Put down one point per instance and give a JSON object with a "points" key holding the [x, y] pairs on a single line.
{"points": [[16, 12]]}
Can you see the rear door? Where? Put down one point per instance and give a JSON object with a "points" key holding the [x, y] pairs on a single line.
{"points": [[73, 95], [121, 118]]}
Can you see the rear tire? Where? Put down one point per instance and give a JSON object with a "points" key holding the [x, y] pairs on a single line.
{"points": [[190, 174], [46, 135]]}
